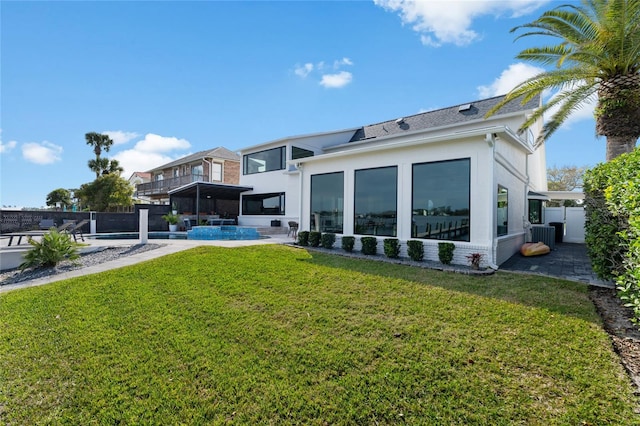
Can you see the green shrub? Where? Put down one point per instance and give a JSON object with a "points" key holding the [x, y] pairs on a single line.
{"points": [[303, 238], [415, 250], [604, 244], [391, 248], [369, 245], [53, 248], [445, 252], [623, 203], [348, 243], [314, 238], [328, 240]]}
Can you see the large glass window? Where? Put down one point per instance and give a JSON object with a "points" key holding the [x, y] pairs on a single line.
{"points": [[440, 205], [327, 202], [263, 204], [376, 199], [264, 161], [503, 210]]}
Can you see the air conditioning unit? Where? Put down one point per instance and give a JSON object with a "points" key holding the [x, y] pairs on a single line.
{"points": [[546, 234]]}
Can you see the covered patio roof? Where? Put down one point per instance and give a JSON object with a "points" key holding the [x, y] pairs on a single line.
{"points": [[220, 191]]}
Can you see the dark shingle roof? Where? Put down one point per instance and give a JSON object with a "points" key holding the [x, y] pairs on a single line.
{"points": [[458, 114], [219, 152]]}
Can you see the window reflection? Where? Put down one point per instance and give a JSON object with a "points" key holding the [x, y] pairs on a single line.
{"points": [[327, 202], [376, 195], [440, 205], [503, 210]]}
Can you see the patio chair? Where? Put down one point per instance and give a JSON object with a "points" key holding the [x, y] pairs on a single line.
{"points": [[293, 229], [76, 230], [187, 223]]}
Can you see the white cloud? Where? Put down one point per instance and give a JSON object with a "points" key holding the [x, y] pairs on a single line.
{"points": [[303, 70], [150, 152], [6, 147], [119, 137], [157, 143], [340, 63], [327, 79], [519, 72], [439, 22], [509, 78], [335, 81], [41, 153]]}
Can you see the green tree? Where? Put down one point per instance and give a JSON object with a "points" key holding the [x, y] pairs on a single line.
{"points": [[107, 193], [597, 55], [100, 143], [565, 178], [60, 195]]}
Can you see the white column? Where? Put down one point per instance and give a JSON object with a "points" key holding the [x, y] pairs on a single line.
{"points": [[92, 222], [144, 225]]}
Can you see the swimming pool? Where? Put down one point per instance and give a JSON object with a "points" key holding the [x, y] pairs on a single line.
{"points": [[196, 233], [136, 236]]}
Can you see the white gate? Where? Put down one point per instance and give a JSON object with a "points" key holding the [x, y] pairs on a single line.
{"points": [[573, 219]]}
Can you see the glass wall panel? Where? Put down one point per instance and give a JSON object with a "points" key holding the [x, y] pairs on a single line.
{"points": [[503, 210], [376, 200], [440, 205], [327, 202], [536, 212], [264, 161], [263, 204]]}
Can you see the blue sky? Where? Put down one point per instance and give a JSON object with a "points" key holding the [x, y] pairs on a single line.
{"points": [[166, 79]]}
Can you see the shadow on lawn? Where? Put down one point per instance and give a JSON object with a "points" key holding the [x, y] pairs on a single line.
{"points": [[553, 294]]}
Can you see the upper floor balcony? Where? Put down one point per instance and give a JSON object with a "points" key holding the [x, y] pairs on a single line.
{"points": [[160, 187]]}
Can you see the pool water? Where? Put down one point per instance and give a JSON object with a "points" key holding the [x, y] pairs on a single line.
{"points": [[136, 236]]}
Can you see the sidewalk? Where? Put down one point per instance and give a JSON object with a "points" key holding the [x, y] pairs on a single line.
{"points": [[568, 261]]}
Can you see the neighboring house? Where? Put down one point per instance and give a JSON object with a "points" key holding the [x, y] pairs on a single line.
{"points": [[218, 165], [136, 179], [443, 175]]}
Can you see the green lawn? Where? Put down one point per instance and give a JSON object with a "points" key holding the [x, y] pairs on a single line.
{"points": [[277, 335]]}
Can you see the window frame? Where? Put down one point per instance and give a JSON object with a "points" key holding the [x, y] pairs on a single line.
{"points": [[324, 226], [377, 223], [265, 196], [281, 166]]}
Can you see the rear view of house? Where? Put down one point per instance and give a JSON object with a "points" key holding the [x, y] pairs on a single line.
{"points": [[443, 175]]}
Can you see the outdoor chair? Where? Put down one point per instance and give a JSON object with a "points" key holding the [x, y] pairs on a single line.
{"points": [[76, 230], [293, 229], [187, 223]]}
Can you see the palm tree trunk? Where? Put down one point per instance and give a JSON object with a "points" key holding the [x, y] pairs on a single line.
{"points": [[617, 145]]}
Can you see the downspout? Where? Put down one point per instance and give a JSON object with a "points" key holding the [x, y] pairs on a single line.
{"points": [[490, 139], [300, 185]]}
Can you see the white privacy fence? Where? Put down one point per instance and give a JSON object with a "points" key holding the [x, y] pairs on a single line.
{"points": [[573, 219]]}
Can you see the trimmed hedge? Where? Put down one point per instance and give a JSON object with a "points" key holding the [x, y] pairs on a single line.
{"points": [[415, 250], [445, 252], [391, 248], [369, 245], [303, 238], [348, 243], [328, 240], [314, 238], [613, 224]]}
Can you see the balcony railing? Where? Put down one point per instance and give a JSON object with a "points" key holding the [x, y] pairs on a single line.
{"points": [[159, 187]]}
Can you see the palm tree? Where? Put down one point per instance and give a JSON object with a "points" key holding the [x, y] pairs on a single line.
{"points": [[114, 167], [598, 54], [99, 142], [99, 165]]}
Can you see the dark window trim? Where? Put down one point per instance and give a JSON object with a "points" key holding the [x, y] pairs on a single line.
{"points": [[264, 196], [283, 162], [355, 183], [342, 172]]}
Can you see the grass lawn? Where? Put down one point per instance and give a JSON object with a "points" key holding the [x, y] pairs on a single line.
{"points": [[277, 335]]}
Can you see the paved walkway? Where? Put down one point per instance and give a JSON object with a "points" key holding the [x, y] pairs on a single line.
{"points": [[568, 261]]}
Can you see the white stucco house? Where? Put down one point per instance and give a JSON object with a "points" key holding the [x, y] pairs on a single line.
{"points": [[443, 175]]}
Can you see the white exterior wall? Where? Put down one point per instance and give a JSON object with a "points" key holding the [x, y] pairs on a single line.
{"points": [[481, 190]]}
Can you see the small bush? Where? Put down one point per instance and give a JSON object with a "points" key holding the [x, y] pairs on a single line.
{"points": [[314, 238], [303, 238], [348, 243], [415, 250], [369, 245], [445, 252], [328, 240], [391, 248], [53, 248], [474, 260]]}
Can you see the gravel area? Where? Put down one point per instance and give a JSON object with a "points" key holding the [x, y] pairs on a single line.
{"points": [[103, 254]]}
